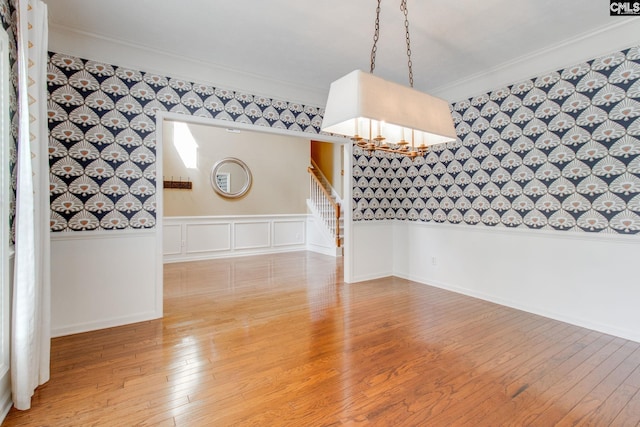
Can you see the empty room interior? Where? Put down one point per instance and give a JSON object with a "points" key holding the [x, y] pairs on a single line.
{"points": [[383, 212]]}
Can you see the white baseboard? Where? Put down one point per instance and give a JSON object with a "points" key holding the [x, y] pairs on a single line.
{"points": [[630, 334], [372, 276], [5, 403], [236, 254], [103, 324], [324, 250]]}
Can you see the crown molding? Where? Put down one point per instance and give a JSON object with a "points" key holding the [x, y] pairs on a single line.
{"points": [[111, 51], [624, 33]]}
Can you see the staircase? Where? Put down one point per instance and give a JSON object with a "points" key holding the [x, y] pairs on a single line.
{"points": [[325, 205]]}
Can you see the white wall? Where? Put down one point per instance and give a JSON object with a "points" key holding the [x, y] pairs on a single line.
{"points": [[5, 374], [280, 185], [103, 279], [370, 252], [586, 279], [329, 158]]}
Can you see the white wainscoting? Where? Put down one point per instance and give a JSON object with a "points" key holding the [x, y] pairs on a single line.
{"points": [[370, 250], [103, 279], [5, 373], [199, 237], [590, 280]]}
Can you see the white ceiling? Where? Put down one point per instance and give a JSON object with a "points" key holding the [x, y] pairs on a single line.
{"points": [[311, 43]]}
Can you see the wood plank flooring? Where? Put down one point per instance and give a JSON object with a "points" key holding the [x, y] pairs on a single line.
{"points": [[280, 341]]}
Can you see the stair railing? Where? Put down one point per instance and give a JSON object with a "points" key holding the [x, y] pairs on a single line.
{"points": [[327, 207]]}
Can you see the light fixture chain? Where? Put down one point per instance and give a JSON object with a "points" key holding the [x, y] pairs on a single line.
{"points": [[376, 36], [403, 8]]}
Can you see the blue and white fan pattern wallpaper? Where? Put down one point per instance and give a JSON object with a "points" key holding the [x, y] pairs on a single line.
{"points": [[560, 152], [7, 11], [103, 138]]}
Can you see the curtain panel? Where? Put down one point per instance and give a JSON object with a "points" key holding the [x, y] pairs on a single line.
{"points": [[30, 335]]}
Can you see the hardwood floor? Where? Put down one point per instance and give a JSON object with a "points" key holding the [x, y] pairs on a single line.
{"points": [[280, 340]]}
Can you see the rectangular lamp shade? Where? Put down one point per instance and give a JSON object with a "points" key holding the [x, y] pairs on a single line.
{"points": [[365, 105]]}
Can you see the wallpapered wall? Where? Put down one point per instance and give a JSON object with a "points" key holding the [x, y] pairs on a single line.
{"points": [[560, 151], [103, 138], [7, 16]]}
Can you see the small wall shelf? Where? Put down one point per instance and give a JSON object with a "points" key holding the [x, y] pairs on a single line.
{"points": [[179, 184]]}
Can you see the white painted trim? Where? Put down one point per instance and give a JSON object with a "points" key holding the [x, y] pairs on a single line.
{"points": [[5, 403], [511, 231], [347, 213], [7, 250], [245, 218], [81, 327], [100, 234], [324, 250], [626, 333], [185, 244], [622, 34], [213, 255], [232, 222], [167, 115], [179, 227], [159, 270], [288, 221], [159, 229]]}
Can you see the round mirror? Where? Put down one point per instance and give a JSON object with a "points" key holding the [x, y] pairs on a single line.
{"points": [[231, 178]]}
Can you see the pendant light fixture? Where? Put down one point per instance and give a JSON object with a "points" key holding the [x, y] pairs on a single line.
{"points": [[379, 115]]}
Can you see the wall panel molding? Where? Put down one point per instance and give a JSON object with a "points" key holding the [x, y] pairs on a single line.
{"points": [[203, 237], [231, 236], [252, 234], [287, 232], [526, 232]]}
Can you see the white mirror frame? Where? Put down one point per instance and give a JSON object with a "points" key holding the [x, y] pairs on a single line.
{"points": [[224, 192]]}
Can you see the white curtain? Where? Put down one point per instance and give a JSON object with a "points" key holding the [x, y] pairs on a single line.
{"points": [[31, 330]]}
